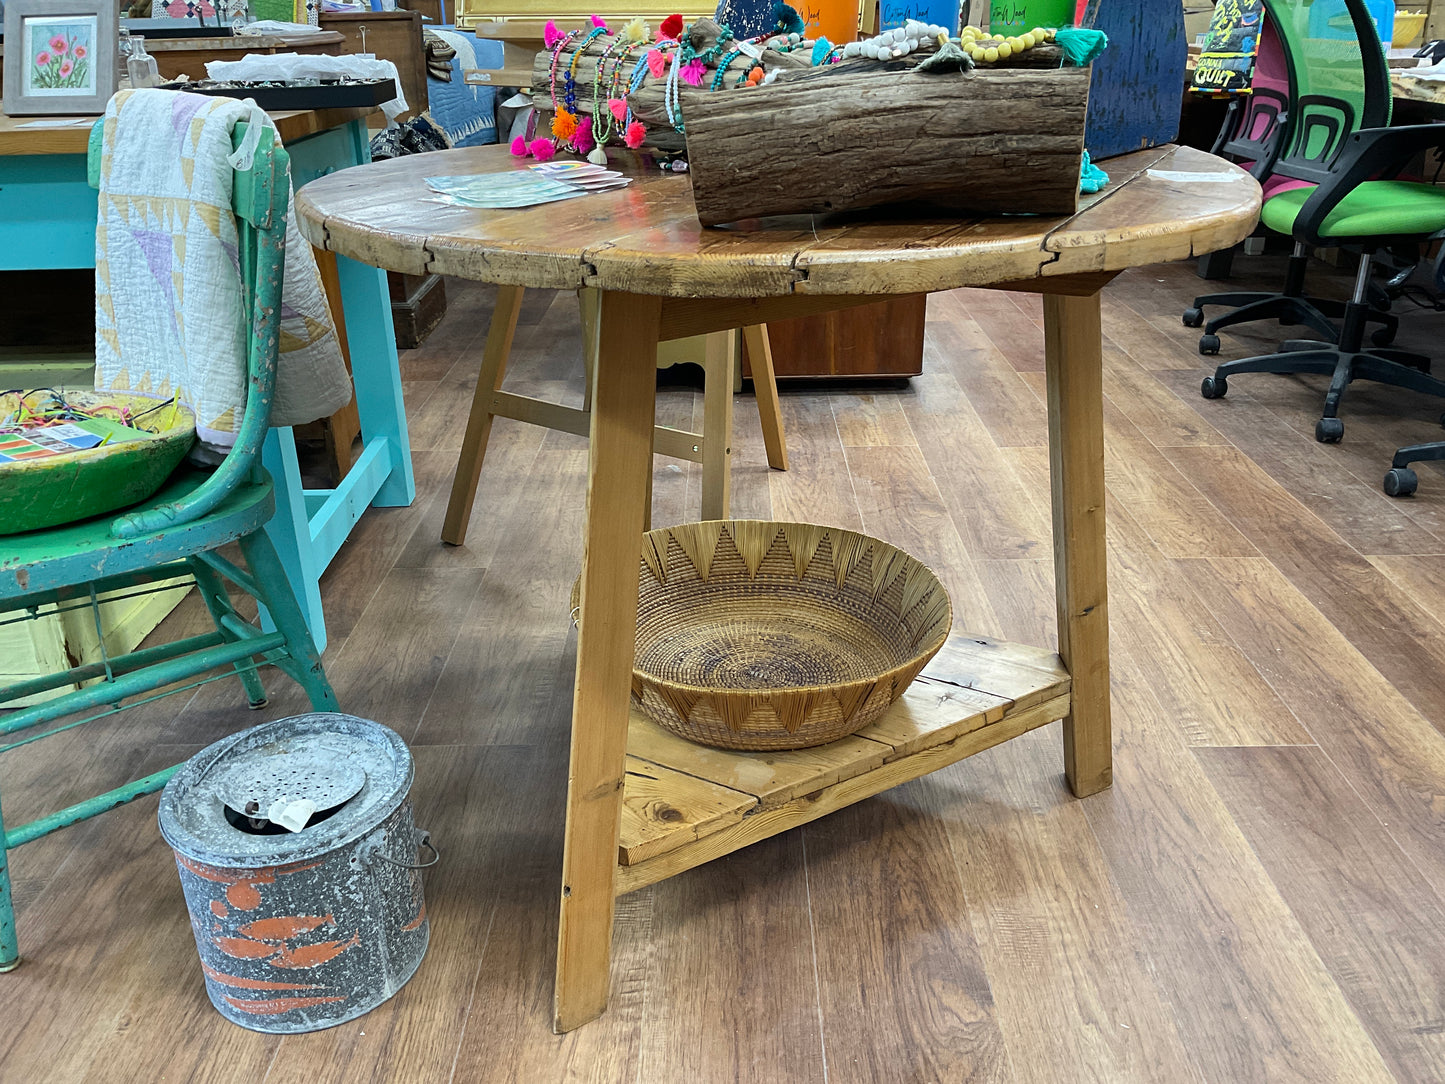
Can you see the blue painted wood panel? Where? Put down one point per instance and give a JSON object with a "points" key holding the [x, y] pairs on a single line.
{"points": [[1138, 84]]}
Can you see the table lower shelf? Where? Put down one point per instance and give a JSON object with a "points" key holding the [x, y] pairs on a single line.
{"points": [[686, 804]]}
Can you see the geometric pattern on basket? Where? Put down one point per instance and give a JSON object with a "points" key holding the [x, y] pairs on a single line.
{"points": [[761, 635]]}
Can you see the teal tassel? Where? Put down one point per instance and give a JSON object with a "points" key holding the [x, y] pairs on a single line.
{"points": [[1091, 178], [787, 19], [821, 48], [1080, 46]]}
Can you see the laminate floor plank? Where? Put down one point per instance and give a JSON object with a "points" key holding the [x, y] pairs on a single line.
{"points": [[816, 487], [873, 418], [1042, 900], [1369, 913], [1402, 639], [1012, 331], [895, 911], [992, 510], [1009, 408], [1384, 747]]}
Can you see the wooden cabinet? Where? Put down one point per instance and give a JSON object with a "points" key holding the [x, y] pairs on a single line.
{"points": [[882, 340], [389, 35]]}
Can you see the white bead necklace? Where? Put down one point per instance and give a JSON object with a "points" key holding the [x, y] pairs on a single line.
{"points": [[895, 43]]}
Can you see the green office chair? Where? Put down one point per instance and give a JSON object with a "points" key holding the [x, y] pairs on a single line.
{"points": [[1351, 196], [176, 533]]}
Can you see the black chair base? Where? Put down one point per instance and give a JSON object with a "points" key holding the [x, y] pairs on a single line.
{"points": [[1316, 313], [1342, 366], [1400, 480]]}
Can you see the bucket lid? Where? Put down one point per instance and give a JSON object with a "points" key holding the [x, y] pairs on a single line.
{"points": [[351, 771]]}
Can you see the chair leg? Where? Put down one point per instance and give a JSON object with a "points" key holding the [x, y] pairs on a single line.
{"points": [[479, 421], [717, 425], [1318, 360], [1399, 375], [218, 602], [9, 946], [765, 387], [301, 661]]}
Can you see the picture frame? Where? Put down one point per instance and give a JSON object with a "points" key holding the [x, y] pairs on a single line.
{"points": [[60, 57]]}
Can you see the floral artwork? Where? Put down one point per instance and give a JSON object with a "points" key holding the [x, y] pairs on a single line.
{"points": [[60, 49]]}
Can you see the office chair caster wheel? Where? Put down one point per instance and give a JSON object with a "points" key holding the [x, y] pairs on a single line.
{"points": [[1383, 336], [1209, 344], [1400, 481], [1214, 387], [1329, 430], [1193, 317]]}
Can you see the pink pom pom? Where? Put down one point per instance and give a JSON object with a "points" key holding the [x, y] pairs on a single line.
{"points": [[550, 34], [656, 62], [693, 71], [542, 149], [618, 109], [519, 146], [582, 140], [596, 21], [634, 135]]}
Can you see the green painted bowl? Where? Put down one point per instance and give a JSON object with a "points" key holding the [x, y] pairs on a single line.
{"points": [[58, 489]]}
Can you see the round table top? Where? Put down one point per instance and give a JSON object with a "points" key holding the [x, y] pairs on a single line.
{"points": [[1166, 203]]}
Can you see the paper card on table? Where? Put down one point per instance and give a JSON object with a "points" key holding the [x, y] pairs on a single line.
{"points": [[498, 190]]}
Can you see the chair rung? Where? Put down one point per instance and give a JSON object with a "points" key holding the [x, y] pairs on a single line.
{"points": [[43, 826], [112, 692], [121, 664]]}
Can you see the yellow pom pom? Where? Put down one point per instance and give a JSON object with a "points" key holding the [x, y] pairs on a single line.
{"points": [[990, 54], [637, 30], [1004, 51]]}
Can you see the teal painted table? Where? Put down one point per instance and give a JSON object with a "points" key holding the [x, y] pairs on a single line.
{"points": [[47, 221]]}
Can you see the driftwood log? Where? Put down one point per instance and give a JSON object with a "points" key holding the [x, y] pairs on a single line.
{"points": [[863, 134]]}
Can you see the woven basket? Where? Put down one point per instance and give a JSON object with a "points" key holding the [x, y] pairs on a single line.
{"points": [[761, 635]]}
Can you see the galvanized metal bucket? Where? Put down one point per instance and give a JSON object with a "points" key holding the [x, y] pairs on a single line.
{"points": [[300, 930]]}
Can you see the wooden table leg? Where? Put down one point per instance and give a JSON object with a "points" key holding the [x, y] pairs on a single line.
{"points": [[717, 424], [1073, 357], [765, 387], [623, 411], [479, 422]]}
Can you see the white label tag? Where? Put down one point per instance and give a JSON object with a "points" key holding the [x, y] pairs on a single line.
{"points": [[291, 813], [747, 48]]}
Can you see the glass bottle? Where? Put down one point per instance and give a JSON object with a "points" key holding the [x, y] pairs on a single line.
{"points": [[141, 65]]}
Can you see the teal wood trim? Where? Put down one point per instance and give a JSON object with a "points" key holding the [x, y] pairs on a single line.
{"points": [[226, 568], [123, 664], [332, 522], [316, 500], [290, 532], [73, 814], [377, 374], [47, 213]]}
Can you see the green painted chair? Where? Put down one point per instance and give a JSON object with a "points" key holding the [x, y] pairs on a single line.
{"points": [[176, 533], [1350, 195]]}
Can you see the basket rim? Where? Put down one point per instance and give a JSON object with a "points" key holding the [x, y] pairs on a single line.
{"points": [[933, 646]]}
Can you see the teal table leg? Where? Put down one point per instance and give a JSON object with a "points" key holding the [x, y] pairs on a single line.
{"points": [[9, 947], [377, 375], [290, 532]]}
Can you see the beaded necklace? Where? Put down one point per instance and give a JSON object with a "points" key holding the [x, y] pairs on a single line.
{"points": [[569, 92], [562, 44], [601, 110]]}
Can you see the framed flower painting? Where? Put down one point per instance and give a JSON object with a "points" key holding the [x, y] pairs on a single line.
{"points": [[60, 56]]}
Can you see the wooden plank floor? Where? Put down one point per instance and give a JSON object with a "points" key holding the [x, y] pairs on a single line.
{"points": [[1258, 898]]}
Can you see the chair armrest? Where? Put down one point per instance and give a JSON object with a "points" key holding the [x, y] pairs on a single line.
{"points": [[1368, 154]]}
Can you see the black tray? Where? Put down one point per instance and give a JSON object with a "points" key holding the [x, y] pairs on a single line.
{"points": [[328, 94]]}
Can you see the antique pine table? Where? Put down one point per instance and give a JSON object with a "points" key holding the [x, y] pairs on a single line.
{"points": [[643, 805]]}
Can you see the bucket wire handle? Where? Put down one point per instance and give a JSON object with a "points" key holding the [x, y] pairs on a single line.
{"points": [[423, 840]]}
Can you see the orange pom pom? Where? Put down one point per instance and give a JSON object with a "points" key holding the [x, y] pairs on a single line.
{"points": [[564, 125]]}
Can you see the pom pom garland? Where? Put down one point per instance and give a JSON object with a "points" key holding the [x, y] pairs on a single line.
{"points": [[550, 34], [519, 147], [787, 18], [634, 135], [596, 21], [618, 108], [636, 30], [656, 63], [542, 149], [671, 27]]}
